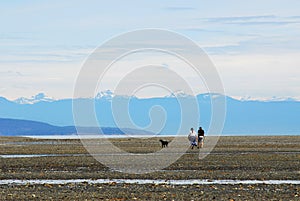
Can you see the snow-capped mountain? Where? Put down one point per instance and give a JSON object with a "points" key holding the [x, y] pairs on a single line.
{"points": [[242, 116], [40, 97], [266, 99], [107, 94], [209, 96], [178, 94]]}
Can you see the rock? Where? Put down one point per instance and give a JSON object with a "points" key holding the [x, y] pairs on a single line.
{"points": [[48, 185]]}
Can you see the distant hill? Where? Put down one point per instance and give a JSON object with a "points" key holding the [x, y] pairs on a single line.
{"points": [[15, 127], [242, 117]]}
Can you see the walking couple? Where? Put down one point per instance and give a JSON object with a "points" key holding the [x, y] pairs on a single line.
{"points": [[196, 140]]}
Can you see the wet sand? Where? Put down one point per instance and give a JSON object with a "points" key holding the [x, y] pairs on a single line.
{"points": [[233, 158]]}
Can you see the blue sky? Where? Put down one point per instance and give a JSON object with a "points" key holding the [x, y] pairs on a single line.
{"points": [[254, 45]]}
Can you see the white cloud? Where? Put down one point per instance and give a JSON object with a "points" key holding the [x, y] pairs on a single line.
{"points": [[260, 75], [254, 44]]}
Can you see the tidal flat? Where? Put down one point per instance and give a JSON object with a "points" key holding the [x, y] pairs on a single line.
{"points": [[234, 158]]}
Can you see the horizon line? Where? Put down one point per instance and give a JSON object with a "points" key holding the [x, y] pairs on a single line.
{"points": [[171, 95]]}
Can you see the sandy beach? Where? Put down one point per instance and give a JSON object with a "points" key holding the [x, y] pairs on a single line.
{"points": [[66, 171]]}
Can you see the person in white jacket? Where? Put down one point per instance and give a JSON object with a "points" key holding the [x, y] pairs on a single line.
{"points": [[192, 138]]}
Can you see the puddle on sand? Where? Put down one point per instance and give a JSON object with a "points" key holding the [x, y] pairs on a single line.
{"points": [[41, 143], [123, 154], [39, 155], [148, 181]]}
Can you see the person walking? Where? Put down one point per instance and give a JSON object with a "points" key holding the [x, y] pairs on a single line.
{"points": [[192, 138], [200, 138]]}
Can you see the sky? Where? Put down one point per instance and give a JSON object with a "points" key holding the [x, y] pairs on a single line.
{"points": [[254, 45]]}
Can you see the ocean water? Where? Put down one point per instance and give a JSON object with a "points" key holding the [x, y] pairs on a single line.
{"points": [[97, 136]]}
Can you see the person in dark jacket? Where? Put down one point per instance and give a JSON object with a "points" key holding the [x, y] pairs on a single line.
{"points": [[200, 137]]}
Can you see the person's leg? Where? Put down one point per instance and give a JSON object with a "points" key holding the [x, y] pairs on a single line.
{"points": [[202, 140]]}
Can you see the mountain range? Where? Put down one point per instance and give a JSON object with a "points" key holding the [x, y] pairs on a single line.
{"points": [[242, 117]]}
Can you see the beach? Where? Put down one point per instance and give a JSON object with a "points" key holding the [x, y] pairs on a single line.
{"points": [[237, 168]]}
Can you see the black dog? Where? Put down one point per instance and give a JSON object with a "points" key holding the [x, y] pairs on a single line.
{"points": [[164, 143]]}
